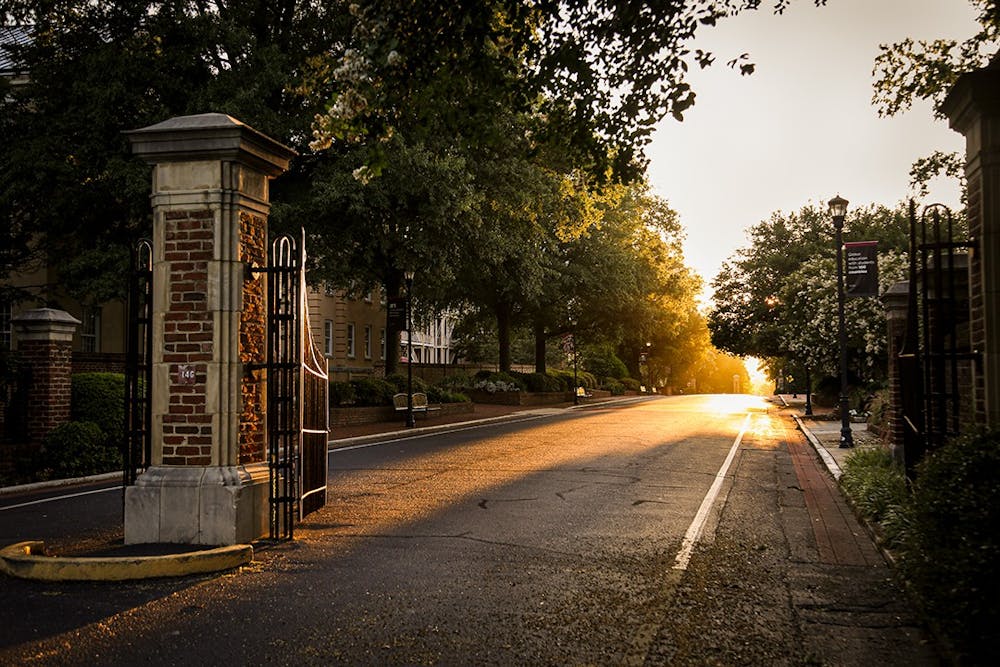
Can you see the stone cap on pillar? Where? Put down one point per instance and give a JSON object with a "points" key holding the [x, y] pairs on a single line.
{"points": [[976, 92], [896, 299], [210, 136], [46, 324]]}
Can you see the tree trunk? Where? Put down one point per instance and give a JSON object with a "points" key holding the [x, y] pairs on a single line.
{"points": [[539, 347], [503, 336], [393, 283]]}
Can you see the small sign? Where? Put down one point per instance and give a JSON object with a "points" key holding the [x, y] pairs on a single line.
{"points": [[186, 374], [396, 312], [861, 261]]}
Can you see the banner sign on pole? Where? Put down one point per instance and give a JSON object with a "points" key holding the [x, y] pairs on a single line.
{"points": [[861, 259], [396, 311]]}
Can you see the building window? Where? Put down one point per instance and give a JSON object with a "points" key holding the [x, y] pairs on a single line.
{"points": [[328, 337], [5, 317], [381, 351], [90, 334], [368, 341], [350, 340]]}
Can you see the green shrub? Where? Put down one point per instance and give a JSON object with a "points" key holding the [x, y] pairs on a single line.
{"points": [[631, 384], [878, 411], [342, 393], [541, 382], [373, 392], [587, 380], [614, 386], [505, 381], [437, 394], [456, 382], [877, 489], [76, 449], [563, 377], [398, 381], [602, 361], [100, 398], [952, 550]]}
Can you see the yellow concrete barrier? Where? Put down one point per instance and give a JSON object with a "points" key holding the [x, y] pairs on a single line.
{"points": [[26, 560]]}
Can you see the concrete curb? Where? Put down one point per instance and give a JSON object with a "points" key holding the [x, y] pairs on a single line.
{"points": [[828, 460], [524, 415], [56, 483], [25, 560]]}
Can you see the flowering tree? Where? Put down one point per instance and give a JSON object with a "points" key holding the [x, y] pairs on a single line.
{"points": [[775, 298], [809, 332]]}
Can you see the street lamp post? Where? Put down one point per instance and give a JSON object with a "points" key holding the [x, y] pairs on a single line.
{"points": [[809, 388], [838, 209], [410, 423]]}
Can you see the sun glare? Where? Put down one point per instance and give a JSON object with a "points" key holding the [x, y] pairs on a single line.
{"points": [[759, 382]]}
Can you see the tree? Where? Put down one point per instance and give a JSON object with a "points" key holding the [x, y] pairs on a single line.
{"points": [[603, 72], [766, 295], [810, 319], [909, 71], [71, 189]]}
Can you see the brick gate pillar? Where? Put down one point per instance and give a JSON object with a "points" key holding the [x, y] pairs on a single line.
{"points": [[973, 108], [896, 311], [208, 481], [45, 341]]}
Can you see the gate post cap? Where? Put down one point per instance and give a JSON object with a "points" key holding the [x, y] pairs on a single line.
{"points": [[210, 136], [45, 324]]}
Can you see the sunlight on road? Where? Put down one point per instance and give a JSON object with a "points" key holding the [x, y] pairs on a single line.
{"points": [[413, 484], [733, 403]]}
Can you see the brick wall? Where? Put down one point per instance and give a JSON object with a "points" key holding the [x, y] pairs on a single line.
{"points": [[187, 336], [977, 312], [253, 337], [98, 362]]}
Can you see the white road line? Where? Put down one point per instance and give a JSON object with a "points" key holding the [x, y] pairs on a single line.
{"points": [[701, 518], [55, 498]]}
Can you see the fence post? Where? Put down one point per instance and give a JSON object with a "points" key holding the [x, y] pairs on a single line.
{"points": [[45, 342]]}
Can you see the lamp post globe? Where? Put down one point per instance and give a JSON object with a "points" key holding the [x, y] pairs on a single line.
{"points": [[838, 210]]}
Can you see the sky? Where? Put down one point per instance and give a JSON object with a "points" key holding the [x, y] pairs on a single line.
{"points": [[802, 128]]}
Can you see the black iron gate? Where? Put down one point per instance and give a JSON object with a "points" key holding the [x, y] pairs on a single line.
{"points": [[297, 406], [137, 449], [936, 360]]}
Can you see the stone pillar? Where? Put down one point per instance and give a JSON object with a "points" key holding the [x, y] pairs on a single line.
{"points": [[208, 480], [973, 108], [896, 311], [45, 341]]}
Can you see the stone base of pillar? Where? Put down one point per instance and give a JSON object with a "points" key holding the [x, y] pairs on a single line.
{"points": [[198, 505]]}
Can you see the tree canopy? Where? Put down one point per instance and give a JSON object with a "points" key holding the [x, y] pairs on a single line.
{"points": [[910, 70], [484, 144], [774, 299]]}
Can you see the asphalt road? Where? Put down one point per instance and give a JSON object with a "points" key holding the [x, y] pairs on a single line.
{"points": [[559, 540]]}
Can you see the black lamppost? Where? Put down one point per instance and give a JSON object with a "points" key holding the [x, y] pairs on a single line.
{"points": [[408, 276], [576, 381], [809, 388], [649, 370], [838, 209]]}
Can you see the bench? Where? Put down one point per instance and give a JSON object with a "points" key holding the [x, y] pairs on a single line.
{"points": [[419, 402]]}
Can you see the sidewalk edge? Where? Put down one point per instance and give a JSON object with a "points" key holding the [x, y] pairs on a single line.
{"points": [[825, 455]]}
